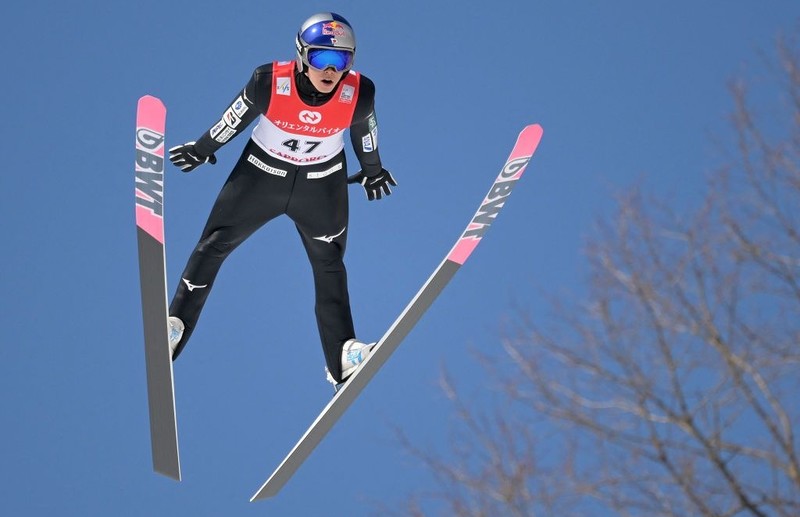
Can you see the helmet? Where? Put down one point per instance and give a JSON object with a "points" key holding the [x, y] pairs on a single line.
{"points": [[325, 40]]}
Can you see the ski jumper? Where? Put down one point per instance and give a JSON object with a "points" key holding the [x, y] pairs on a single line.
{"points": [[293, 164]]}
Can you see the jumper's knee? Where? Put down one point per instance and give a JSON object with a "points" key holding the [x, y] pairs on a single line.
{"points": [[217, 244]]}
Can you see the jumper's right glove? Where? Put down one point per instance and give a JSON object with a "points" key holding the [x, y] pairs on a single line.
{"points": [[376, 186], [187, 158]]}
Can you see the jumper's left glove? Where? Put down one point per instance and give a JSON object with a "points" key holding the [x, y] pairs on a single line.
{"points": [[376, 186], [187, 158]]}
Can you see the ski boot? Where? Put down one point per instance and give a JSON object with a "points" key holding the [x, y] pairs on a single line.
{"points": [[354, 353], [175, 332]]}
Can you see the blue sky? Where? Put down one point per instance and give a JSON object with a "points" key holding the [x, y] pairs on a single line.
{"points": [[626, 92]]}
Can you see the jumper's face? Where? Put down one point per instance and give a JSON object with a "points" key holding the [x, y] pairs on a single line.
{"points": [[324, 80]]}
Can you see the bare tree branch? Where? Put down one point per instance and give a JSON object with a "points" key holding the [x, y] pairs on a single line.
{"points": [[673, 389]]}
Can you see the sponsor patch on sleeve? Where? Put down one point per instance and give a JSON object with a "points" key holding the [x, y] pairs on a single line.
{"points": [[366, 143], [231, 118], [239, 106], [225, 135], [219, 126]]}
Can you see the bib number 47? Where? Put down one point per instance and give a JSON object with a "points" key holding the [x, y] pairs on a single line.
{"points": [[307, 146]]}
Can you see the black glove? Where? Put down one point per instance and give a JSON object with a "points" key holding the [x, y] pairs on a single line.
{"points": [[376, 186], [186, 157]]}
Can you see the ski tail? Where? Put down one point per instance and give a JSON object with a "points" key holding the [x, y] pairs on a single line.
{"points": [[526, 145], [149, 171]]}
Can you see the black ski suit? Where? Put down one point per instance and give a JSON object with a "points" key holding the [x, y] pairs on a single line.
{"points": [[262, 186]]}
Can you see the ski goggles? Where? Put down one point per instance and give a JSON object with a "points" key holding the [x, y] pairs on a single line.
{"points": [[324, 58]]}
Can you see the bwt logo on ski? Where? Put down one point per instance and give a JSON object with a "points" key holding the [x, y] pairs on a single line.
{"points": [[150, 170], [496, 197]]}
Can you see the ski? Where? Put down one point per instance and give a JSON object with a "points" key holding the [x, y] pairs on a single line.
{"points": [[511, 172], [150, 124]]}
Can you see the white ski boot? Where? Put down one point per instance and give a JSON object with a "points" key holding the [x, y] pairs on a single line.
{"points": [[175, 332], [354, 353]]}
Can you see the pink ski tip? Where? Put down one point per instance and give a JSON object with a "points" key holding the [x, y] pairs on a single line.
{"points": [[527, 142]]}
